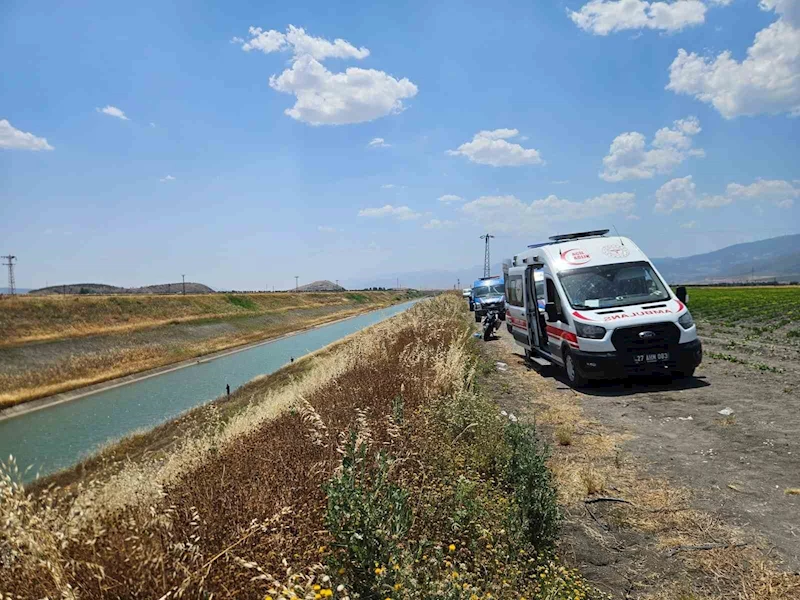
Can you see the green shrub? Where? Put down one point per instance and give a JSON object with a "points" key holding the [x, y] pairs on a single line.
{"points": [[536, 514], [241, 302], [357, 298], [367, 516]]}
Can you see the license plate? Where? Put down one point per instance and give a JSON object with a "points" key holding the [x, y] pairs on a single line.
{"points": [[654, 357]]}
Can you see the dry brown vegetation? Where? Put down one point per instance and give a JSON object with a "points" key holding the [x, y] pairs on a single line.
{"points": [[118, 317], [35, 318], [379, 469]]}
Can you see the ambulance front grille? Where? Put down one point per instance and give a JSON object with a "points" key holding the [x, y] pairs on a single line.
{"points": [[628, 340]]}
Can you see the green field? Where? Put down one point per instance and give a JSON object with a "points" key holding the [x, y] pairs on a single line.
{"points": [[759, 308]]}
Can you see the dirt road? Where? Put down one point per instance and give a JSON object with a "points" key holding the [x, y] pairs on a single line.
{"points": [[730, 476]]}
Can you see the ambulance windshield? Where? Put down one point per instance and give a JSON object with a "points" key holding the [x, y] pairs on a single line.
{"points": [[613, 285]]}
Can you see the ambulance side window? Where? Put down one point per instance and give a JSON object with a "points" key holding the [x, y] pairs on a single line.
{"points": [[552, 295], [514, 290]]}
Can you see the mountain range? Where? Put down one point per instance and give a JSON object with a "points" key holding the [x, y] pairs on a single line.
{"points": [[765, 260]]}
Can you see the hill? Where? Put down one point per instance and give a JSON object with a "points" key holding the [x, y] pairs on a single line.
{"points": [[765, 260], [103, 289], [320, 286]]}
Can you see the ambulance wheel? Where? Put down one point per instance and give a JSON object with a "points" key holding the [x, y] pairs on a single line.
{"points": [[576, 380]]}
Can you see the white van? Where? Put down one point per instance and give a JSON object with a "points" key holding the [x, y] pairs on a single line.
{"points": [[596, 306]]}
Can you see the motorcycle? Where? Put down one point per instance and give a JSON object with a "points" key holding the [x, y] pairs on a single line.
{"points": [[491, 323]]}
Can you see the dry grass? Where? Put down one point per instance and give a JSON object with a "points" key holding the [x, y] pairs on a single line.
{"points": [[26, 319], [245, 490], [76, 371], [594, 461], [564, 434]]}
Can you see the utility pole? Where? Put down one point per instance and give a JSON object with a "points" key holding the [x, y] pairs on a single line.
{"points": [[183, 278], [296, 282], [458, 283], [486, 263], [10, 260]]}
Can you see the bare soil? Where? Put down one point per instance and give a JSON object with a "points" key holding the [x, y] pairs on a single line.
{"points": [[654, 437]]}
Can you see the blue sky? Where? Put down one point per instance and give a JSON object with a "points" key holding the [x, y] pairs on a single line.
{"points": [[143, 141]]}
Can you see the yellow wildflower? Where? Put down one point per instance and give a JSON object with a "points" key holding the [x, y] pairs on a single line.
{"points": [[452, 547]]}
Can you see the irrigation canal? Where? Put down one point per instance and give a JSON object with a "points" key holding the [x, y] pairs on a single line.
{"points": [[60, 435]]}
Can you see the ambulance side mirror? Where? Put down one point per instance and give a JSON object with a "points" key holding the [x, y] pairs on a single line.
{"points": [[551, 312], [680, 292]]}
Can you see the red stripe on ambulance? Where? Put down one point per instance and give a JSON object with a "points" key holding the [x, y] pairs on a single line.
{"points": [[560, 334]]}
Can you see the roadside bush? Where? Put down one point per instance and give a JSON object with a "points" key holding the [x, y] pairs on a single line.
{"points": [[535, 512], [367, 517]]}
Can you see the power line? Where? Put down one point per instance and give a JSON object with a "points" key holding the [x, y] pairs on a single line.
{"points": [[10, 259], [487, 266]]}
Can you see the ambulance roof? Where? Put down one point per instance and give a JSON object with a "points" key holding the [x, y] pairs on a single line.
{"points": [[570, 254]]}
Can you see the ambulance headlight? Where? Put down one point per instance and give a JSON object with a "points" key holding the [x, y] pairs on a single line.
{"points": [[591, 332], [686, 320]]}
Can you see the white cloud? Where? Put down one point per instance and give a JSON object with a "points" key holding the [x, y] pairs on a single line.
{"points": [[326, 98], [300, 43], [681, 193], [402, 213], [152, 124], [492, 148], [629, 158], [509, 213], [560, 181], [14, 139], [602, 17], [633, 217], [689, 225], [167, 178], [113, 111], [378, 143], [676, 194], [354, 96], [388, 186], [326, 229], [448, 198], [437, 224], [767, 81], [779, 192]]}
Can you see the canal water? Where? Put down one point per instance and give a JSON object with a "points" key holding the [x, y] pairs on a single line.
{"points": [[56, 437]]}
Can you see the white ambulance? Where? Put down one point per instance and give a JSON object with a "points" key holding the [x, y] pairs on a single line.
{"points": [[596, 306]]}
